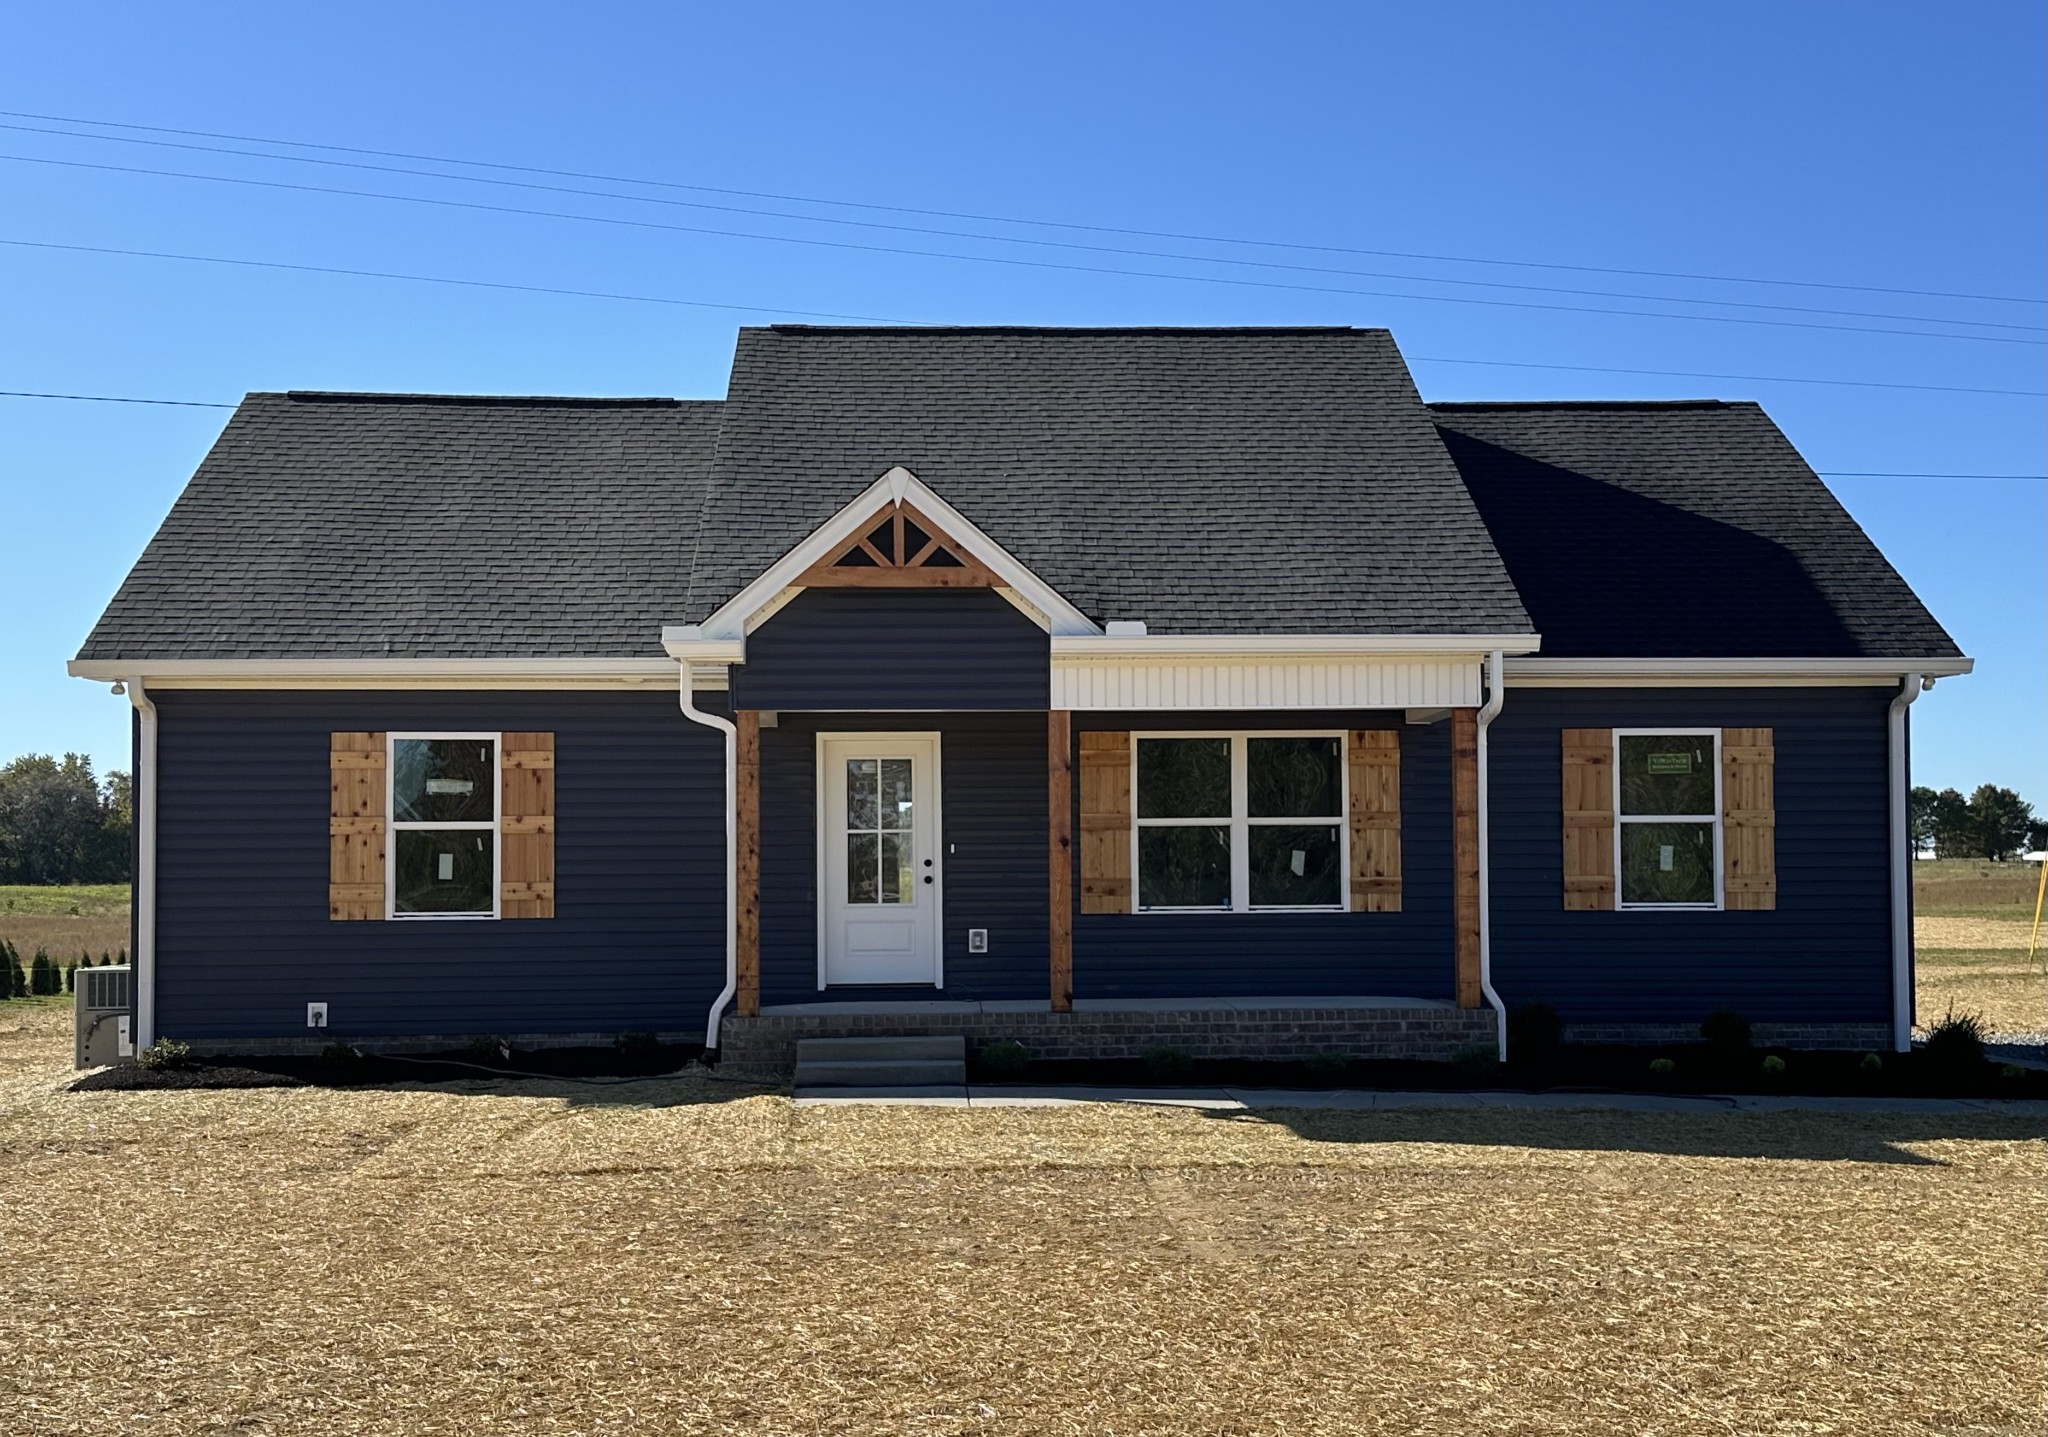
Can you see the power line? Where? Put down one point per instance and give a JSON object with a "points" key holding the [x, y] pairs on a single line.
{"points": [[205, 404], [880, 319], [1009, 260], [1036, 223], [1040, 243], [113, 399]]}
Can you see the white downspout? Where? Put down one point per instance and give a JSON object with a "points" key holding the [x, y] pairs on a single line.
{"points": [[732, 844], [1902, 868], [1496, 695], [143, 968]]}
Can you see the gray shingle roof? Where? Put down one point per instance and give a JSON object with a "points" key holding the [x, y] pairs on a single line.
{"points": [[1678, 530], [366, 526], [1202, 480]]}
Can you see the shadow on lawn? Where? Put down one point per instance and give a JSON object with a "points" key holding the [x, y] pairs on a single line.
{"points": [[1800, 1136]]}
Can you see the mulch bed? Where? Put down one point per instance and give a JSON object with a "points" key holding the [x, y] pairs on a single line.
{"points": [[133, 1077]]}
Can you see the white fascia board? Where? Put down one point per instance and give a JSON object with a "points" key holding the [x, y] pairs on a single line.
{"points": [[1123, 648], [377, 673], [1538, 673], [687, 644], [897, 486]]}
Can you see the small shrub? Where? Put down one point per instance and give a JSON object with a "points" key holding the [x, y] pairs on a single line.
{"points": [[1725, 1030], [1534, 1030], [1774, 1066], [1956, 1043], [17, 980], [2011, 1071], [71, 977], [340, 1061], [1327, 1064], [1478, 1060], [166, 1055], [638, 1045], [1663, 1067], [42, 975], [1167, 1064], [1003, 1058], [489, 1049], [1871, 1063]]}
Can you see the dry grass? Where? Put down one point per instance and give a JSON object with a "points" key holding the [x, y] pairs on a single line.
{"points": [[66, 920], [705, 1259]]}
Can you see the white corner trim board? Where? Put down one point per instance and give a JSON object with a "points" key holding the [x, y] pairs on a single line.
{"points": [[1898, 792], [145, 864], [897, 486]]}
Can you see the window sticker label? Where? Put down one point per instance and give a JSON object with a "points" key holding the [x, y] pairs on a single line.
{"points": [[1670, 763], [459, 785], [1664, 857], [446, 867]]}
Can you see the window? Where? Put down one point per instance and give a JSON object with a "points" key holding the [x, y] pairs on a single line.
{"points": [[1667, 802], [1237, 822], [444, 826]]}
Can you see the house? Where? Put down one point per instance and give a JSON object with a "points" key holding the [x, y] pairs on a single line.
{"points": [[1092, 687]]}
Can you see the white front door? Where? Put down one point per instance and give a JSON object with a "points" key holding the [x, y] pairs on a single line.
{"points": [[878, 910]]}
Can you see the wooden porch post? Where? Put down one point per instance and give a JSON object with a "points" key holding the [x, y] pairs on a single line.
{"points": [[1465, 854], [1059, 790], [747, 864]]}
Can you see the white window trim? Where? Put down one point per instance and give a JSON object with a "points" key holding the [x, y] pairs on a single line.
{"points": [[1720, 898], [1240, 823], [395, 827]]}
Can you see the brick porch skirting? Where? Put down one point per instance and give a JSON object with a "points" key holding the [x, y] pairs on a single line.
{"points": [[765, 1046]]}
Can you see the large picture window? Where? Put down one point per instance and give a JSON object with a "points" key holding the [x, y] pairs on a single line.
{"points": [[1667, 805], [443, 859], [1240, 822]]}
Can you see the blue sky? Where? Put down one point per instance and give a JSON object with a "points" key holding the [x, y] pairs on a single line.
{"points": [[1896, 147]]}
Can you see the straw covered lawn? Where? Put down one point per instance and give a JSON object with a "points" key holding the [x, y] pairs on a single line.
{"points": [[693, 1257]]}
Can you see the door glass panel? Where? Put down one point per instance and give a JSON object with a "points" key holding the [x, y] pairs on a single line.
{"points": [[861, 794], [861, 868], [896, 874], [895, 797]]}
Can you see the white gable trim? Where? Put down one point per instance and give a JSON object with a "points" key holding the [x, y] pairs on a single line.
{"points": [[898, 486]]}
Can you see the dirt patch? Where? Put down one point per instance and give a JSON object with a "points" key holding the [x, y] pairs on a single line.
{"points": [[700, 1258]]}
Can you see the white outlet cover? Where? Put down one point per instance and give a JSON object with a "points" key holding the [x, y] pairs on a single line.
{"points": [[316, 1015], [977, 940]]}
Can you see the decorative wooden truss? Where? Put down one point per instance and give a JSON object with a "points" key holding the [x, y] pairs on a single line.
{"points": [[901, 549]]}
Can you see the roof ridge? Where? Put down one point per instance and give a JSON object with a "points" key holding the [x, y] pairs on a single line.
{"points": [[559, 401], [1064, 329]]}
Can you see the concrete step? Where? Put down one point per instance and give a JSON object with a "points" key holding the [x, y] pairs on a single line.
{"points": [[944, 1049], [880, 1073]]}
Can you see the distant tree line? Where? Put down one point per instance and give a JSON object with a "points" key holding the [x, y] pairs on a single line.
{"points": [[1993, 823], [59, 823]]}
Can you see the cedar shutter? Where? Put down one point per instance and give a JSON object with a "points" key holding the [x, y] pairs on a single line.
{"points": [[1375, 760], [355, 827], [1105, 822], [1588, 819], [1749, 820], [526, 826]]}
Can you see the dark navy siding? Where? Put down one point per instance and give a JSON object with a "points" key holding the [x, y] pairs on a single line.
{"points": [[992, 796], [244, 941], [1408, 954], [1822, 956], [895, 649]]}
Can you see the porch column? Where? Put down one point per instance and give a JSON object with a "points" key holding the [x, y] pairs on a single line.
{"points": [[1059, 789], [1465, 855], [747, 862]]}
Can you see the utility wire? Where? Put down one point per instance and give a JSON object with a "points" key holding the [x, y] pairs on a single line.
{"points": [[879, 319], [1040, 243], [1009, 260], [202, 404], [1021, 220]]}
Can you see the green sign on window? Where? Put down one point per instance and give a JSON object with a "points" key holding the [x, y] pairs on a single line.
{"points": [[1670, 763]]}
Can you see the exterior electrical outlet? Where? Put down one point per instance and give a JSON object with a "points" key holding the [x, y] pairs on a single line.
{"points": [[977, 940], [316, 1015]]}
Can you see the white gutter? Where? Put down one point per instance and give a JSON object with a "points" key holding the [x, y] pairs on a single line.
{"points": [[143, 796], [732, 854], [1525, 669], [163, 672], [1496, 695], [1902, 865]]}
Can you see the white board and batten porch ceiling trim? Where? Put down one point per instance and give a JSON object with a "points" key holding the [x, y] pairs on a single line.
{"points": [[1266, 682]]}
